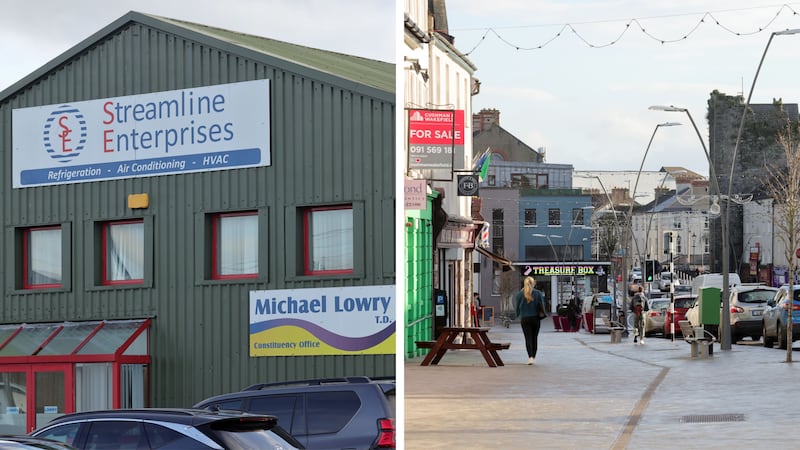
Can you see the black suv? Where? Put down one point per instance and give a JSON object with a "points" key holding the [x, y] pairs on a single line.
{"points": [[329, 413], [168, 429]]}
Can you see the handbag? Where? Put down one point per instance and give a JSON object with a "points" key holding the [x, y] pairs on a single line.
{"points": [[542, 309]]}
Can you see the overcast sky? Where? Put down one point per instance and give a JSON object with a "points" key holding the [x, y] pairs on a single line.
{"points": [[36, 31], [589, 106]]}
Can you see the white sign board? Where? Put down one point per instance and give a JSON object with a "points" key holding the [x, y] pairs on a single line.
{"points": [[346, 320], [200, 129]]}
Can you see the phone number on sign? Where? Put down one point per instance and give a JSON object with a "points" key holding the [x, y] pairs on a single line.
{"points": [[430, 149]]}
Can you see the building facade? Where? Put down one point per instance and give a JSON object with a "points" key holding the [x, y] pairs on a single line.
{"points": [[218, 206], [438, 152]]}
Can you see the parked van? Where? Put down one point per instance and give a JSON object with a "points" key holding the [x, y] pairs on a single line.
{"points": [[714, 280]]}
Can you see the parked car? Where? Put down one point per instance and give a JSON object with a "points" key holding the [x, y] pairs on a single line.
{"points": [[714, 280], [681, 289], [656, 293], [665, 279], [681, 305], [331, 413], [747, 304], [776, 317], [25, 442], [162, 428], [636, 273], [654, 315]]}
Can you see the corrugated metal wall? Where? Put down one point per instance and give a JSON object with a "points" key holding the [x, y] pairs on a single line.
{"points": [[329, 145]]}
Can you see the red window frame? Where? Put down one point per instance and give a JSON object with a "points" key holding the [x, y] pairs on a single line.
{"points": [[26, 258], [106, 225], [215, 247], [307, 242]]}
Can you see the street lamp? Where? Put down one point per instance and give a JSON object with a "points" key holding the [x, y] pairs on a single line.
{"points": [[629, 227], [725, 319], [725, 343], [555, 253], [726, 335]]}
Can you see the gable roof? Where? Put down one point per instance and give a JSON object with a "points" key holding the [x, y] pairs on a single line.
{"points": [[353, 72]]}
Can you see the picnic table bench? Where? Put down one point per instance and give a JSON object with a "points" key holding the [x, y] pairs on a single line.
{"points": [[480, 342]]}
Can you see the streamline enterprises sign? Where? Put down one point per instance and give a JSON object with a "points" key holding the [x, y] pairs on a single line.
{"points": [[352, 320], [199, 129]]}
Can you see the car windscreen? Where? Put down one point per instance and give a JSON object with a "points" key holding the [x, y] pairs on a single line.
{"points": [[684, 302], [659, 305], [757, 296]]}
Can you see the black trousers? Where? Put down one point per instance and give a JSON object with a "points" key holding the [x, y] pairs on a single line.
{"points": [[530, 329]]}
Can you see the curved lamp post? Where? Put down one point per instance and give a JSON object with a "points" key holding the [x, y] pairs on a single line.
{"points": [[555, 253], [725, 342], [629, 223], [725, 319], [730, 187]]}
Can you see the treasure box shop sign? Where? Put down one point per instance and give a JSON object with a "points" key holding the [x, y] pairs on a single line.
{"points": [[561, 270]]}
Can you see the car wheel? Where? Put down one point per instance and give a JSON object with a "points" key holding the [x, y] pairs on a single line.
{"points": [[768, 341], [781, 337], [755, 337]]}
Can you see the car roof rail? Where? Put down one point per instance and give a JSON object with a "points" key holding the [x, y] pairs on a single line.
{"points": [[310, 382]]}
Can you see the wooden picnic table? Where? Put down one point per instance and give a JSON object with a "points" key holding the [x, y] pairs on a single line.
{"points": [[446, 341]]}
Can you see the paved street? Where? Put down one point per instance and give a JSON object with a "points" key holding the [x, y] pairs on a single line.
{"points": [[586, 393]]}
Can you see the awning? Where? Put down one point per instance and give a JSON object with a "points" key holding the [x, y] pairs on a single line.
{"points": [[105, 337], [496, 258]]}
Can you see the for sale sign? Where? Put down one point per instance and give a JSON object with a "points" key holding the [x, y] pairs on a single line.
{"points": [[433, 135]]}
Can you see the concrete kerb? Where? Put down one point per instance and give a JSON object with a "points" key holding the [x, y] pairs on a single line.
{"points": [[585, 392]]}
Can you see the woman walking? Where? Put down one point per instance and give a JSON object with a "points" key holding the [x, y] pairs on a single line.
{"points": [[529, 303]]}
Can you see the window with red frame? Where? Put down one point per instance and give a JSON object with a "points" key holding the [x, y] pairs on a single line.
{"points": [[123, 252], [235, 245], [42, 257], [328, 240]]}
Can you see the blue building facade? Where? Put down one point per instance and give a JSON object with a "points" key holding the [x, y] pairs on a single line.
{"points": [[554, 225]]}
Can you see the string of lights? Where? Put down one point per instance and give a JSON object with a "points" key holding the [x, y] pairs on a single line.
{"points": [[704, 19]]}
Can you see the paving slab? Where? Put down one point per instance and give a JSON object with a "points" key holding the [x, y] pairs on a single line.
{"points": [[585, 392]]}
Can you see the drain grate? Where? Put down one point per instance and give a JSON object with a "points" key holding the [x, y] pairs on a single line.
{"points": [[712, 418]]}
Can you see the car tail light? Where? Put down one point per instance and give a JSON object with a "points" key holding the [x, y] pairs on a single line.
{"points": [[386, 433], [737, 309]]}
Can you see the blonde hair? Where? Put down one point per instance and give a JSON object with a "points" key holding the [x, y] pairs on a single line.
{"points": [[527, 289]]}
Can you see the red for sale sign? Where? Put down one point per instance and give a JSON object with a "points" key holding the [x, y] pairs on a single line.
{"points": [[433, 135]]}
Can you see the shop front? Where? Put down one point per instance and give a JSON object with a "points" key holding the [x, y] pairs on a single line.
{"points": [[563, 281]]}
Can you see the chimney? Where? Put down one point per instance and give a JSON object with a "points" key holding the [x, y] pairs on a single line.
{"points": [[485, 119]]}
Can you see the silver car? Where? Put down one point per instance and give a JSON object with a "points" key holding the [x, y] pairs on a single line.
{"points": [[654, 315], [747, 304]]}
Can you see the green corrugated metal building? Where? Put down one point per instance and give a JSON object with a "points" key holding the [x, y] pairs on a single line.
{"points": [[169, 261]]}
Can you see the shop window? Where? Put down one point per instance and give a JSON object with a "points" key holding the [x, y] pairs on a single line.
{"points": [[123, 252], [235, 245], [42, 257], [328, 240]]}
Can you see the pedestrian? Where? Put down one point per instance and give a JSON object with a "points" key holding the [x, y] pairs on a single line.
{"points": [[477, 310], [530, 304], [637, 308], [573, 312]]}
